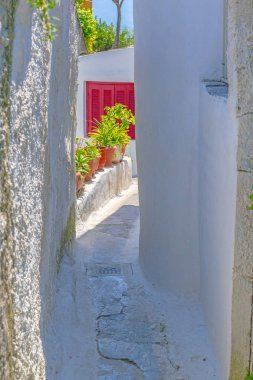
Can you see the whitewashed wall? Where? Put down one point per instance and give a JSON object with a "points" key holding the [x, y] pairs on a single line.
{"points": [[181, 131], [110, 66], [168, 70]]}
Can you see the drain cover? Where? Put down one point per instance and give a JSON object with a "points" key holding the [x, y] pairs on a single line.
{"points": [[109, 269]]}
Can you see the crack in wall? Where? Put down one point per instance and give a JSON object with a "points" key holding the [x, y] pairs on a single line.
{"points": [[123, 359]]}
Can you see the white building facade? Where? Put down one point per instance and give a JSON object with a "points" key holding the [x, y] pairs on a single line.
{"points": [[112, 67]]}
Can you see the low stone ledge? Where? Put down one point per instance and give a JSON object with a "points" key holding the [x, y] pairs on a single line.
{"points": [[107, 184]]}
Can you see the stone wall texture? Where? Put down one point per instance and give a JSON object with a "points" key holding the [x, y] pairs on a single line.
{"points": [[37, 187], [240, 66]]}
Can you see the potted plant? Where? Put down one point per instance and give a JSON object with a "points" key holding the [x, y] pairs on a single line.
{"points": [[93, 154], [120, 117], [82, 168], [111, 134], [102, 136]]}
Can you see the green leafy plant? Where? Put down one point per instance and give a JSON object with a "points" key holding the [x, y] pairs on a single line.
{"points": [[103, 135], [251, 199], [89, 26], [113, 128], [98, 35], [49, 22], [249, 377], [120, 115], [82, 162], [105, 36], [126, 38], [91, 151]]}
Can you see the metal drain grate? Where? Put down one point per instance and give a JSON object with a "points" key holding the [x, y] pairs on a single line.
{"points": [[109, 269]]}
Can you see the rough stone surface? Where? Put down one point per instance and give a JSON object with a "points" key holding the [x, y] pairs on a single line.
{"points": [[240, 58], [38, 196], [112, 327], [7, 15], [107, 184]]}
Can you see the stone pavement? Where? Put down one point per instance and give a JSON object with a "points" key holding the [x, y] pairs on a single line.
{"points": [[109, 322]]}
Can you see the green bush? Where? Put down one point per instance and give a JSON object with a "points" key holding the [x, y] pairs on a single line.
{"points": [[105, 35], [126, 38], [89, 26], [98, 35]]}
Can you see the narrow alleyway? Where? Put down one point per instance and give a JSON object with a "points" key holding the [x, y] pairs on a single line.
{"points": [[109, 323]]}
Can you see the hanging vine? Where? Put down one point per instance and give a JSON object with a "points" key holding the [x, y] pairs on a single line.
{"points": [[44, 7], [251, 199]]}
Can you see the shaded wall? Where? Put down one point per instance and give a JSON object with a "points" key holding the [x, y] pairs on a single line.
{"points": [[240, 72]]}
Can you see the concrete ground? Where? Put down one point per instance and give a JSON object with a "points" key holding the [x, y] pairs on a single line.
{"points": [[109, 322]]}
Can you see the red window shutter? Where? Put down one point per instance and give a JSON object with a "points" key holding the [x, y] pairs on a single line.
{"points": [[131, 105], [121, 94], [108, 96], [101, 95], [93, 104]]}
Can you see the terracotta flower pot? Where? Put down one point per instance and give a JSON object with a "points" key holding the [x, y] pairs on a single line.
{"points": [[78, 179], [102, 159], [109, 156], [90, 173], [97, 164], [79, 182], [93, 164], [117, 154], [123, 151]]}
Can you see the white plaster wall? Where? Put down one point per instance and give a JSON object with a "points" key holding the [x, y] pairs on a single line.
{"points": [[217, 197], [109, 66], [177, 43]]}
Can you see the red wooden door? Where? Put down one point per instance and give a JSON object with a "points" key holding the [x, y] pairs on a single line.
{"points": [[100, 95]]}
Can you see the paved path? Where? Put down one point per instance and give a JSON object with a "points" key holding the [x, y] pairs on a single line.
{"points": [[109, 323]]}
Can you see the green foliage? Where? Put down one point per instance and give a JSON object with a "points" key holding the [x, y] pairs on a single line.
{"points": [[251, 199], [98, 35], [113, 128], [44, 7], [89, 26], [82, 162], [120, 115], [85, 152], [126, 38], [91, 151], [105, 36], [103, 135], [250, 377]]}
